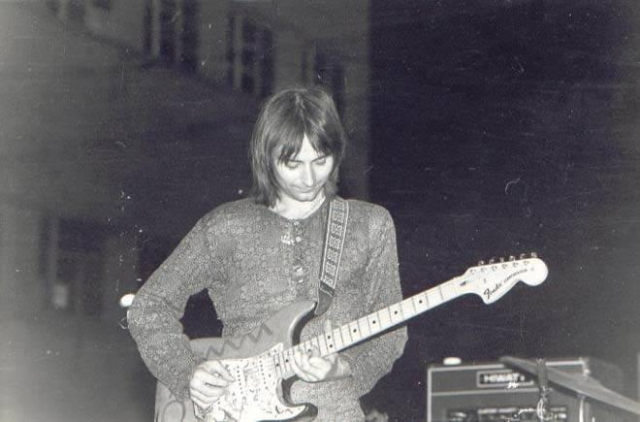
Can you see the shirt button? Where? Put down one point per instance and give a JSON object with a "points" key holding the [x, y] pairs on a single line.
{"points": [[298, 239]]}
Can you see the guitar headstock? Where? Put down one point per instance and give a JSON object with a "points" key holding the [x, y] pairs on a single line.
{"points": [[493, 279]]}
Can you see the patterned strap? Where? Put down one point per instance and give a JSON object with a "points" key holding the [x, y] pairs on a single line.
{"points": [[333, 245]]}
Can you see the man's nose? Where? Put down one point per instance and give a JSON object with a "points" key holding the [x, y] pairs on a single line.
{"points": [[309, 176]]}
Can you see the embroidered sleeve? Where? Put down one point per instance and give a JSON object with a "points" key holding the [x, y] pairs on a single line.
{"points": [[154, 317], [371, 360]]}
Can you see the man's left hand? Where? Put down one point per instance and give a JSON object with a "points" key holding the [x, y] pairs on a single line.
{"points": [[311, 367]]}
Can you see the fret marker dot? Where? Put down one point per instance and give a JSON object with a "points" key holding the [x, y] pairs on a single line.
{"points": [[354, 330], [374, 322]]}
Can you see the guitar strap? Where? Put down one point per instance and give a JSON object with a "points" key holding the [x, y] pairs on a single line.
{"points": [[333, 244]]}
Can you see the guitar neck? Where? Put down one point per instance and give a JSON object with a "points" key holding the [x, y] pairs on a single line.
{"points": [[368, 326]]}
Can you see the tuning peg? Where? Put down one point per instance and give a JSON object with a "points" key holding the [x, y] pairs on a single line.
{"points": [[512, 258], [481, 262], [534, 254], [492, 260], [523, 256], [502, 259]]}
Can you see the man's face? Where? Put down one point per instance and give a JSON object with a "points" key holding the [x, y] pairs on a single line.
{"points": [[303, 177]]}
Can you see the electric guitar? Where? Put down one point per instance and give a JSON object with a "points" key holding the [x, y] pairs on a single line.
{"points": [[261, 360]]}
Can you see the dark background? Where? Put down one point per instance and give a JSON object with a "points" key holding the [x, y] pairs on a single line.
{"points": [[499, 132]]}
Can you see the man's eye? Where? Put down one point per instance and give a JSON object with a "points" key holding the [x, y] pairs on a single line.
{"points": [[291, 165], [322, 161]]}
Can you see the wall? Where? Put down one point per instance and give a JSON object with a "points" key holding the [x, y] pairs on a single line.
{"points": [[119, 21]]}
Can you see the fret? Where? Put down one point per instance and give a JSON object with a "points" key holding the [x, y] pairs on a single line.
{"points": [[374, 323], [364, 327], [407, 309], [434, 297], [315, 343], [420, 303], [298, 348], [276, 364], [426, 300], [396, 313], [331, 342], [324, 350], [308, 346], [448, 290], [354, 331], [337, 339], [385, 318], [280, 363], [346, 335], [288, 357]]}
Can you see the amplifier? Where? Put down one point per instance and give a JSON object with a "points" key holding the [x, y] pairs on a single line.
{"points": [[491, 392]]}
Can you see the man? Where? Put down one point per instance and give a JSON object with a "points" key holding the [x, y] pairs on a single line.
{"points": [[260, 254]]}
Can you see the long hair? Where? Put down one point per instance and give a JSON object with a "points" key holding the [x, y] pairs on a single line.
{"points": [[283, 122]]}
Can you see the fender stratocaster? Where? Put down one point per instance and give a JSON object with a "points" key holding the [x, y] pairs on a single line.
{"points": [[260, 361]]}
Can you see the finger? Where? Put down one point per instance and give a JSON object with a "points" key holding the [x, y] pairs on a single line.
{"points": [[307, 365], [210, 380], [199, 403], [205, 392], [333, 358], [314, 352], [301, 368], [213, 373], [295, 365], [216, 367], [200, 398], [311, 362], [320, 366]]}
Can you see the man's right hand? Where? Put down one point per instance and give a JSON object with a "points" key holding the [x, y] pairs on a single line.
{"points": [[208, 383]]}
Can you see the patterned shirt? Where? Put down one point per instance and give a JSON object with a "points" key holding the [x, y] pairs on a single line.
{"points": [[254, 262]]}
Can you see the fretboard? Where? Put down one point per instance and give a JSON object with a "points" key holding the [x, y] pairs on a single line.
{"points": [[368, 326]]}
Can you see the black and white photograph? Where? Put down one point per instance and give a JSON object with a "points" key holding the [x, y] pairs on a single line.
{"points": [[320, 210]]}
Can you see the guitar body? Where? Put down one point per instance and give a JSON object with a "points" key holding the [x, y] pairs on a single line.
{"points": [[257, 394]]}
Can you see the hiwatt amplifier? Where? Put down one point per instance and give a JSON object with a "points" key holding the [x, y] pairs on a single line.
{"points": [[491, 392]]}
